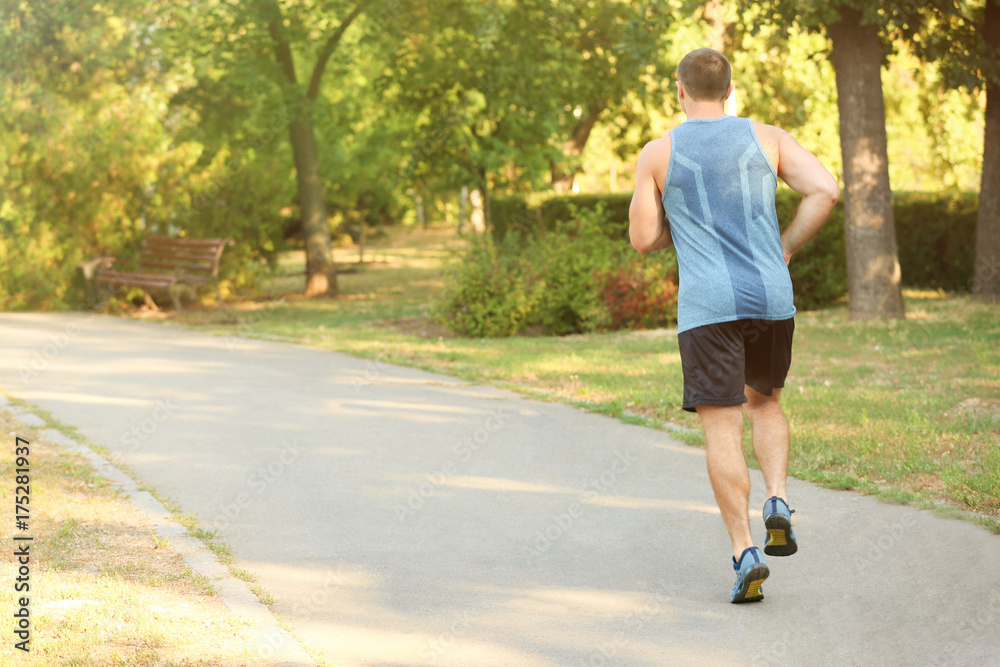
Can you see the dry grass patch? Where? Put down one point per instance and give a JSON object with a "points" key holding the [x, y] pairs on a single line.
{"points": [[104, 589]]}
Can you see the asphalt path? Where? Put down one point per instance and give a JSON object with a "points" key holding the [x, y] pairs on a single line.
{"points": [[400, 517]]}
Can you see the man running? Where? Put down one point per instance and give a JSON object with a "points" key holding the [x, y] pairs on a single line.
{"points": [[708, 188]]}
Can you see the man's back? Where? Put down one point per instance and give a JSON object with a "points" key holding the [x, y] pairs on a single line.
{"points": [[718, 195]]}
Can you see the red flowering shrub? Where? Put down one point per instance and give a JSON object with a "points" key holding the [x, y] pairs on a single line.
{"points": [[638, 295]]}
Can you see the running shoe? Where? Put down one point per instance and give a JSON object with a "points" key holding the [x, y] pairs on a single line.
{"points": [[778, 521], [751, 571]]}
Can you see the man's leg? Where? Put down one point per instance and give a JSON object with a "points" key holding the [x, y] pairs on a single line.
{"points": [[770, 439], [727, 469]]}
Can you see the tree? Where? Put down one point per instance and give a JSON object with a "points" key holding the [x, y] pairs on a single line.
{"points": [[854, 29], [614, 52], [484, 87], [507, 93], [873, 274], [321, 273], [986, 286], [249, 56], [964, 38], [88, 163]]}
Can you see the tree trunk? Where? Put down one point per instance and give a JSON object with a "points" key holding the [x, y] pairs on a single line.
{"points": [[873, 274], [562, 181], [985, 284], [719, 31], [321, 273]]}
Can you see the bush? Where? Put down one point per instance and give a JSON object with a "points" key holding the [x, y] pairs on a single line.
{"points": [[568, 262], [935, 233], [639, 295], [538, 213], [819, 270], [570, 279], [489, 292]]}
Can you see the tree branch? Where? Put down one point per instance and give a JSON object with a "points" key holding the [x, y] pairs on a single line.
{"points": [[282, 49], [328, 49]]}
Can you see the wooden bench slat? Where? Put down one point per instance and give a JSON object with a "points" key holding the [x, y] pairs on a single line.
{"points": [[169, 263], [165, 261], [194, 247], [159, 281], [179, 252], [183, 239], [191, 244]]}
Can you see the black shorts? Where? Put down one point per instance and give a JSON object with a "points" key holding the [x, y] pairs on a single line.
{"points": [[719, 359]]}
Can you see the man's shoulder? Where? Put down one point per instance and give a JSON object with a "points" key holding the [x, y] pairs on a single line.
{"points": [[658, 146], [655, 156], [771, 132]]}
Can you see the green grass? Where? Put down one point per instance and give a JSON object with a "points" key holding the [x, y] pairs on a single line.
{"points": [[908, 411]]}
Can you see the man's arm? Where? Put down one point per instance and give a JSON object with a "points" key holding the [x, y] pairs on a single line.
{"points": [[804, 173], [648, 228]]}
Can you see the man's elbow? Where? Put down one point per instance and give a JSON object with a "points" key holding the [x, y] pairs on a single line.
{"points": [[832, 191], [640, 243], [635, 233], [642, 246]]}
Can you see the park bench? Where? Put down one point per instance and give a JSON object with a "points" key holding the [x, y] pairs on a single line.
{"points": [[166, 262]]}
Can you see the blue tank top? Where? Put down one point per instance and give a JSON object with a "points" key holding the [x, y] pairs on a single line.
{"points": [[719, 199]]}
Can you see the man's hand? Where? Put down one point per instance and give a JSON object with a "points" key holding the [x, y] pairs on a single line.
{"points": [[648, 228]]}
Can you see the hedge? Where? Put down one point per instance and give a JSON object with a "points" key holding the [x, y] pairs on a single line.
{"points": [[935, 234]]}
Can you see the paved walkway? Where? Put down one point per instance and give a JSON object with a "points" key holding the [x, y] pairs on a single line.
{"points": [[405, 518]]}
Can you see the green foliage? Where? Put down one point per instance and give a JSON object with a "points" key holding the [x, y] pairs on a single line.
{"points": [[127, 118], [569, 261], [936, 233], [134, 118], [479, 120], [85, 158], [533, 214], [490, 291], [819, 270], [568, 279]]}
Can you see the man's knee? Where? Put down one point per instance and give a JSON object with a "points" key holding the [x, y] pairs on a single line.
{"points": [[757, 401]]}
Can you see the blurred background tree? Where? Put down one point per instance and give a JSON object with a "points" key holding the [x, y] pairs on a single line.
{"points": [[122, 119]]}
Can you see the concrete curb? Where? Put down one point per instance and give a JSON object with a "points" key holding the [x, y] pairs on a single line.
{"points": [[272, 642]]}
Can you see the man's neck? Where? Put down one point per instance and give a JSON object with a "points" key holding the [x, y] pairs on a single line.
{"points": [[705, 110]]}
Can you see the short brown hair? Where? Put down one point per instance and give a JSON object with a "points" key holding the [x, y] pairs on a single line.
{"points": [[705, 74]]}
